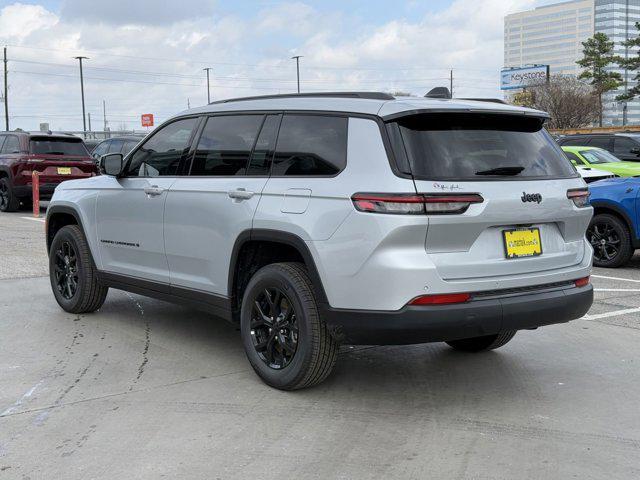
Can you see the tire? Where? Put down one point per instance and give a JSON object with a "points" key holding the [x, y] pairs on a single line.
{"points": [[298, 352], [8, 201], [482, 344], [611, 241], [70, 257]]}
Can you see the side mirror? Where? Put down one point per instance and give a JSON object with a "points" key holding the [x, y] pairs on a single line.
{"points": [[635, 151], [111, 164]]}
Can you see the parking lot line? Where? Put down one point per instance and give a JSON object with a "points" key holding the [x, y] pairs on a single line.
{"points": [[34, 219], [615, 313], [616, 289], [616, 278]]}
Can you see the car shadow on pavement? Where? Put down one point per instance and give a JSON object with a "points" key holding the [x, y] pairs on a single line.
{"points": [[419, 374]]}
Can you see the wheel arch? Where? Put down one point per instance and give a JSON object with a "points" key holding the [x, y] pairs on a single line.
{"points": [[613, 209], [59, 216], [283, 246]]}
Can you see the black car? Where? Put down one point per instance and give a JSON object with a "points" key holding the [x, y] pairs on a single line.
{"points": [[625, 146], [123, 145]]}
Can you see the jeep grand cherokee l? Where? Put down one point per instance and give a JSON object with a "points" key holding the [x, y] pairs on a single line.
{"points": [[56, 157], [319, 219]]}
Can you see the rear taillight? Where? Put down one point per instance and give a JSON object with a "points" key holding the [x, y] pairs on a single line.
{"points": [[580, 196], [582, 282], [414, 204], [443, 299]]}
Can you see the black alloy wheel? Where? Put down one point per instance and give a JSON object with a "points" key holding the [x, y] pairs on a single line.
{"points": [[8, 201], [611, 241], [66, 270], [274, 328]]}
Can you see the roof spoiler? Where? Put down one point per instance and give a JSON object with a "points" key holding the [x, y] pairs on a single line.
{"points": [[439, 92]]}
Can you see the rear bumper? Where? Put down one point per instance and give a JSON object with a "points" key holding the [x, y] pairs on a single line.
{"points": [[487, 316]]}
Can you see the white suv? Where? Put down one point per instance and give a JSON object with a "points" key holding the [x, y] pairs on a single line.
{"points": [[319, 219]]}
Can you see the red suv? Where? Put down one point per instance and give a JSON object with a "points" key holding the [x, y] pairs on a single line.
{"points": [[57, 157]]}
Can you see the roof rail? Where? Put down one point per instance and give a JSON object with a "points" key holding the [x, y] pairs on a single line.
{"points": [[492, 100], [366, 95]]}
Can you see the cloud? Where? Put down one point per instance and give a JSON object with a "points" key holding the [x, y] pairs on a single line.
{"points": [[145, 12], [148, 56], [19, 20]]}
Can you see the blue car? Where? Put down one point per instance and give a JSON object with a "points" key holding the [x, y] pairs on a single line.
{"points": [[614, 231]]}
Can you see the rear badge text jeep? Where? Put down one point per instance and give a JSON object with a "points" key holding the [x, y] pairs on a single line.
{"points": [[531, 197]]}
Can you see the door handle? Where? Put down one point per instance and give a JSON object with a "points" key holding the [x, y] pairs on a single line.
{"points": [[153, 190], [240, 194]]}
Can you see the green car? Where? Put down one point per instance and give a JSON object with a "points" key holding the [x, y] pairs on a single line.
{"points": [[600, 159]]}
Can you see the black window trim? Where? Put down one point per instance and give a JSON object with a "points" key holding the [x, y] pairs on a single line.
{"points": [[282, 113], [196, 141], [130, 155]]}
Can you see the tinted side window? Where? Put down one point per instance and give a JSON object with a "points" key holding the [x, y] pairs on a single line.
{"points": [[225, 145], [160, 155], [128, 146], [311, 145], [600, 142], [265, 146], [116, 146], [624, 145], [100, 149], [574, 142], [574, 158], [11, 144]]}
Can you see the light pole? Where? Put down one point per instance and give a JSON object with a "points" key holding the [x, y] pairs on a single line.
{"points": [[208, 89], [297, 57], [84, 120]]}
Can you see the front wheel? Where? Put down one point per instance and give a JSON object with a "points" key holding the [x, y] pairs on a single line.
{"points": [[285, 339], [611, 241], [8, 201], [482, 344], [73, 274]]}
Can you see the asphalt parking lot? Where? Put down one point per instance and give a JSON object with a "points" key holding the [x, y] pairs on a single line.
{"points": [[144, 389]]}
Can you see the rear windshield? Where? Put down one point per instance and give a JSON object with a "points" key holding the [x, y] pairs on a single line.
{"points": [[596, 156], [58, 146], [461, 146]]}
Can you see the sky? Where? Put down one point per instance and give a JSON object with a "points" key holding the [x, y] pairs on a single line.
{"points": [[147, 56]]}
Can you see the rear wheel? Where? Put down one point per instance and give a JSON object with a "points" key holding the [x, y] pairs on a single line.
{"points": [[8, 201], [481, 344], [285, 339], [611, 241], [73, 274]]}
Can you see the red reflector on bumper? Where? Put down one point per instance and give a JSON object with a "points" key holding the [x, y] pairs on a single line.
{"points": [[582, 282], [444, 299]]}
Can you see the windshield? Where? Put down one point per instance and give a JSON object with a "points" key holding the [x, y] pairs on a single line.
{"points": [[480, 147], [58, 146], [596, 156]]}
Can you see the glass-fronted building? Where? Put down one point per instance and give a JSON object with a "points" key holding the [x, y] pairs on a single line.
{"points": [[553, 35]]}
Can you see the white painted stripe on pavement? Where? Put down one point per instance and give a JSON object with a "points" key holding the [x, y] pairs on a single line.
{"points": [[24, 397], [34, 219], [615, 313], [616, 278], [616, 289]]}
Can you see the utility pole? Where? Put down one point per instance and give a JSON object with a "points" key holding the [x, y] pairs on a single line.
{"points": [[208, 88], [89, 115], [297, 58], [104, 115], [451, 82], [6, 93], [626, 71], [84, 120]]}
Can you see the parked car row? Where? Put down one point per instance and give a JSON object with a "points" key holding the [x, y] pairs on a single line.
{"points": [[56, 157]]}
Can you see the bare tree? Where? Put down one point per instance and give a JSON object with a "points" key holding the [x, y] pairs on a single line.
{"points": [[570, 102]]}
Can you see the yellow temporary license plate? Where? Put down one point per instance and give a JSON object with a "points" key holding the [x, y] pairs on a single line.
{"points": [[522, 242], [64, 170]]}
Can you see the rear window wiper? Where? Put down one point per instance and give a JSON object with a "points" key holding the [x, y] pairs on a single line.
{"points": [[506, 171]]}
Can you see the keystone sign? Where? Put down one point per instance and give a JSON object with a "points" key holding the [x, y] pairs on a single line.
{"points": [[517, 78]]}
